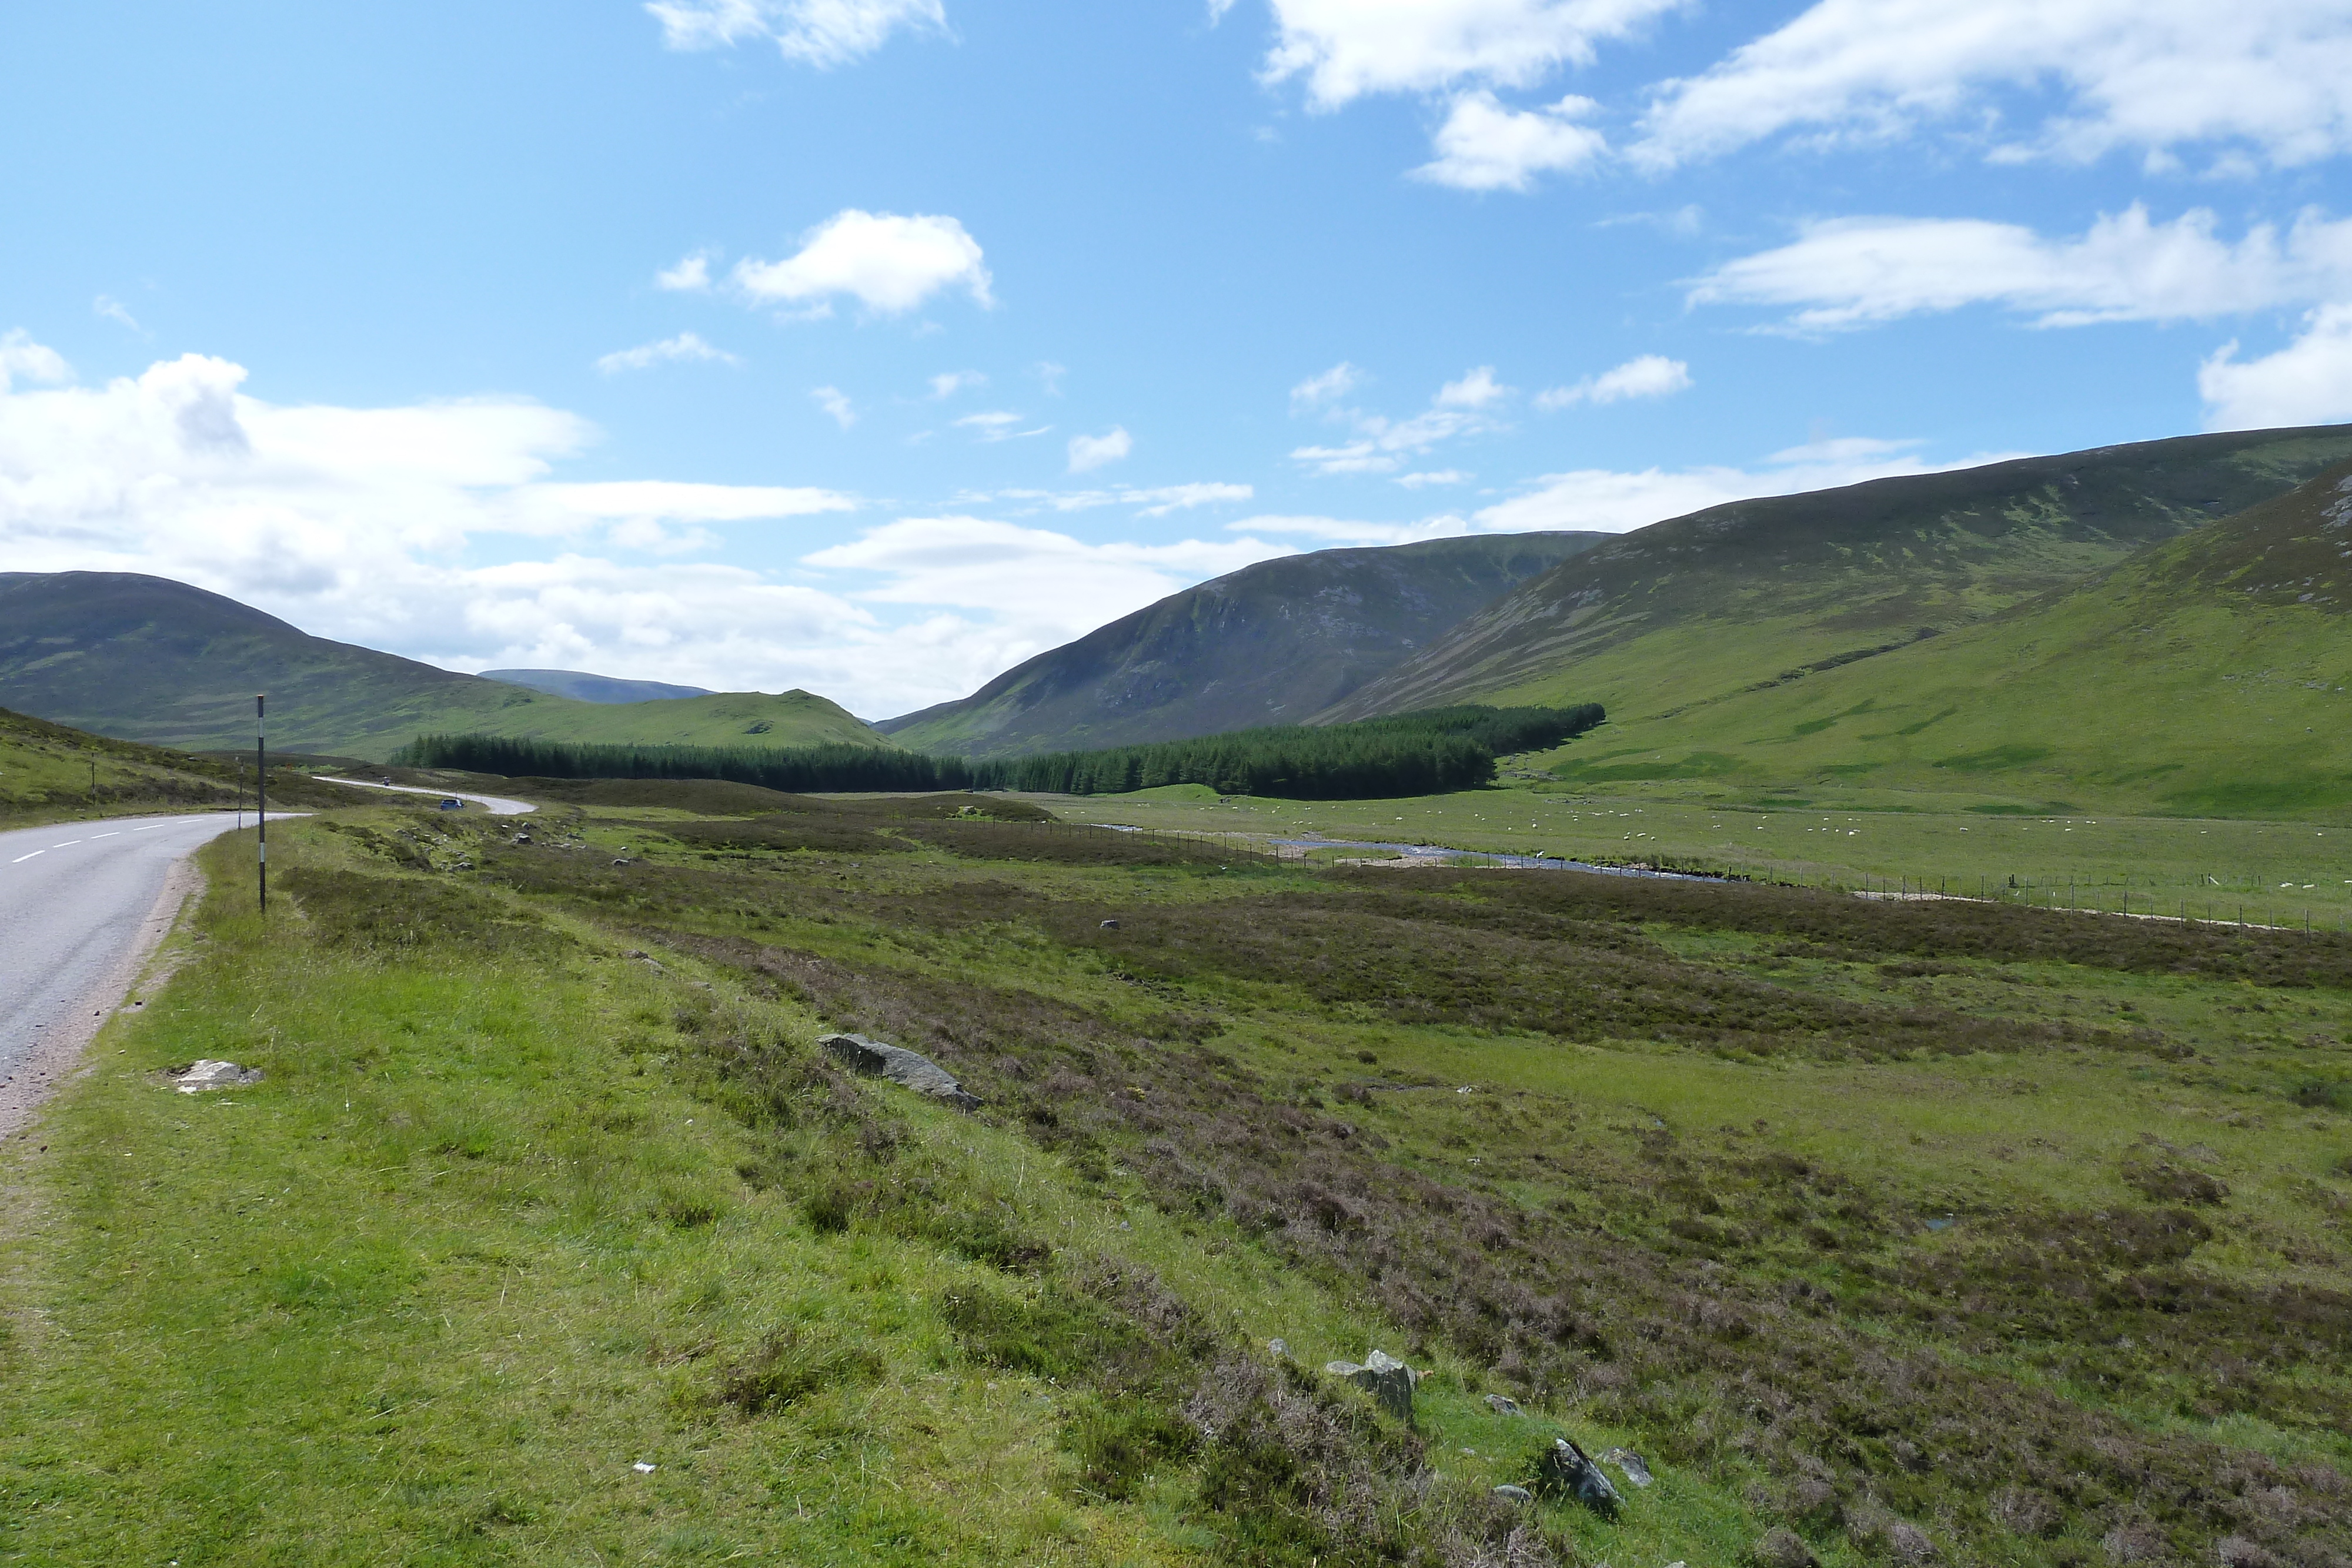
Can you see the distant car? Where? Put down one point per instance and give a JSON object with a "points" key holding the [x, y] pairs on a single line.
{"points": [[451, 803]]}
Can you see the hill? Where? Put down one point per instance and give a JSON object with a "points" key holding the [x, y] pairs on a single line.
{"points": [[2208, 673], [581, 686], [1699, 609], [145, 658], [49, 772], [1270, 643]]}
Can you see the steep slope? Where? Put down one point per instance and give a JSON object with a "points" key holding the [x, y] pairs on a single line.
{"points": [[145, 658], [1270, 643], [2207, 675], [48, 771], [580, 687], [1701, 607]]}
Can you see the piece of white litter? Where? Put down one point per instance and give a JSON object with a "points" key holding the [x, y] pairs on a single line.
{"points": [[642, 1468]]}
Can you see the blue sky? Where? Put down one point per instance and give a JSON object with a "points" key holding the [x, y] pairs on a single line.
{"points": [[870, 346]]}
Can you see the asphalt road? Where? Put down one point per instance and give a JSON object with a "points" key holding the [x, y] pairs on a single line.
{"points": [[74, 900], [499, 805]]}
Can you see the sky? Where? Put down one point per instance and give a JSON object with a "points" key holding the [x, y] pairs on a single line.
{"points": [[872, 346]]}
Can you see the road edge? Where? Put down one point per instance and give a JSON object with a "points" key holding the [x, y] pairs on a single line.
{"points": [[58, 1060]]}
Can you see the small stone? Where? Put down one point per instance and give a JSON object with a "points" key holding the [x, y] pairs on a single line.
{"points": [[1278, 1349], [1514, 1494], [1632, 1463], [907, 1068], [1501, 1405], [205, 1076], [1782, 1548], [1567, 1471], [1110, 925], [642, 1468]]}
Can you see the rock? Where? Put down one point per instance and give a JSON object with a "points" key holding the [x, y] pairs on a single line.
{"points": [[1567, 1471], [206, 1075], [1514, 1494], [1636, 1470], [1278, 1349], [1110, 925], [1501, 1405], [1384, 1377], [1782, 1548], [907, 1068]]}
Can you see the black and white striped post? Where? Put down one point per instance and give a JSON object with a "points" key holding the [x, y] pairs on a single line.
{"points": [[261, 801]]}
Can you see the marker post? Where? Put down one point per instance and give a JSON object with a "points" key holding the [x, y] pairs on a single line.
{"points": [[261, 801]]}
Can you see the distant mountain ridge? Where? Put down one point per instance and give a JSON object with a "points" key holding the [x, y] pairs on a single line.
{"points": [[1699, 608], [145, 658], [1272, 643], [580, 687]]}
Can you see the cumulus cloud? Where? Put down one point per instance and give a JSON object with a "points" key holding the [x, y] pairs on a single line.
{"points": [[1090, 452], [1157, 501], [21, 359], [1329, 387], [1485, 145], [821, 33], [1852, 271], [1479, 388], [690, 276], [1651, 375], [687, 347], [2027, 78], [1355, 531], [887, 263], [947, 383], [2309, 381], [1347, 48], [1421, 481]]}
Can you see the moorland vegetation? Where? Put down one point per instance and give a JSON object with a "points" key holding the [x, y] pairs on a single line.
{"points": [[1885, 1232]]}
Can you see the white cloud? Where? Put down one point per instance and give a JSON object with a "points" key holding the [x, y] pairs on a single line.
{"points": [[1049, 376], [1037, 588], [1479, 388], [837, 405], [947, 383], [1486, 146], [1350, 531], [113, 310], [685, 349], [2309, 381], [1155, 502], [997, 424], [1317, 391], [887, 263], [1383, 444], [21, 359], [1090, 452], [2270, 77], [1651, 375], [413, 527], [821, 33], [1346, 48], [1421, 481], [690, 276], [1857, 271]]}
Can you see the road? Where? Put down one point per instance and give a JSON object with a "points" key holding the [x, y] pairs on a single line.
{"points": [[499, 805], [82, 905]]}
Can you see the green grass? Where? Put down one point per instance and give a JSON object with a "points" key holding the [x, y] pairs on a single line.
{"points": [[1667, 1164]]}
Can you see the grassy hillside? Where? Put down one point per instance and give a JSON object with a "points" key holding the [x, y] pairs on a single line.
{"points": [[148, 658], [49, 773], [1699, 609], [2208, 676], [590, 688], [1969, 1233], [1271, 644]]}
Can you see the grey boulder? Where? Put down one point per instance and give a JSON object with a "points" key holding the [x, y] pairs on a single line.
{"points": [[1632, 1463], [907, 1068], [1567, 1471], [1384, 1377]]}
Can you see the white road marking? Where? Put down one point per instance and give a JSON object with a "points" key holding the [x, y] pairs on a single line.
{"points": [[20, 860], [151, 827], [66, 845], [116, 834]]}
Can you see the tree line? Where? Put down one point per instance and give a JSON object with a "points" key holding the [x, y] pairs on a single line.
{"points": [[1420, 753]]}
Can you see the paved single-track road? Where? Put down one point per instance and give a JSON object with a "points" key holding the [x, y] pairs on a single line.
{"points": [[81, 906]]}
